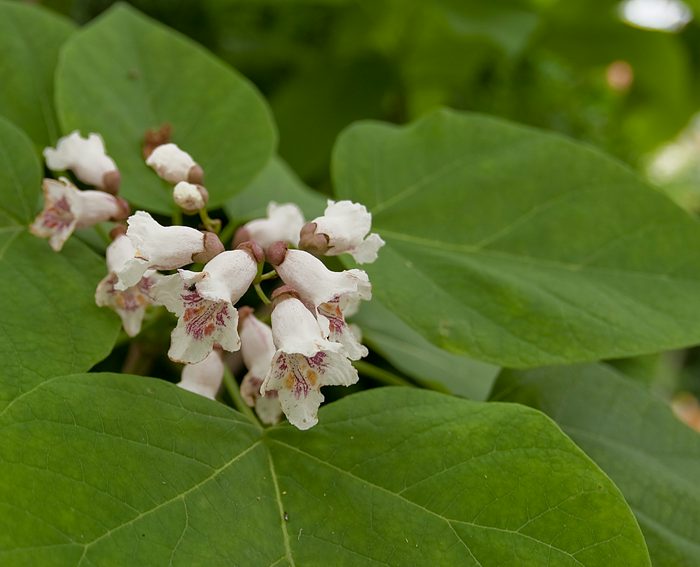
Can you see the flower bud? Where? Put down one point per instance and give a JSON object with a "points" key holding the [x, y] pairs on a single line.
{"points": [[212, 247], [175, 165], [276, 253], [190, 197], [87, 159]]}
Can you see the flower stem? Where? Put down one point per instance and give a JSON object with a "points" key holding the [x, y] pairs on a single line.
{"points": [[261, 294], [380, 374], [177, 217], [238, 402], [212, 225], [227, 232], [266, 276]]}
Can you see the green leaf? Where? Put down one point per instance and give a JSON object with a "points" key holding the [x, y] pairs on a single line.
{"points": [[141, 75], [653, 458], [413, 355], [522, 248], [30, 38], [276, 182], [111, 469], [49, 322]]}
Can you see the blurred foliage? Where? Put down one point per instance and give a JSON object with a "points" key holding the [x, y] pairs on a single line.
{"points": [[567, 65]]}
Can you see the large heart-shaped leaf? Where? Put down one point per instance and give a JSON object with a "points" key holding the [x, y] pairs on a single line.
{"points": [[140, 75], [520, 247], [49, 322], [30, 39], [652, 457], [418, 358], [115, 470]]}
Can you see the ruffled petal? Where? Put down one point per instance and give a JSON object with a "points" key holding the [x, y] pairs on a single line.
{"points": [[283, 222], [205, 377], [334, 327], [62, 209], [86, 157]]}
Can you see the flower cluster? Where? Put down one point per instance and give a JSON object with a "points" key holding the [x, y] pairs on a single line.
{"points": [[309, 343]]}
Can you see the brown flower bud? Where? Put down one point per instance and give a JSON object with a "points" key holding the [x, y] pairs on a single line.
{"points": [[212, 247], [276, 253], [316, 244], [254, 249]]}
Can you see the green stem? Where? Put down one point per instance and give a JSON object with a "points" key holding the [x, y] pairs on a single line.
{"points": [[238, 402], [226, 233], [261, 294], [212, 225], [380, 374], [177, 216], [266, 276]]}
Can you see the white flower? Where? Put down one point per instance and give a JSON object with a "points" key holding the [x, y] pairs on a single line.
{"points": [[303, 363], [174, 165], [343, 228], [283, 222], [203, 302], [315, 283], [160, 247], [190, 197], [66, 208], [130, 304], [335, 328], [257, 349], [204, 377], [87, 158]]}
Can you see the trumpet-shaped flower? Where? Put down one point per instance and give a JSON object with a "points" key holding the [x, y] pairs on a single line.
{"points": [[204, 304], [283, 222], [257, 349], [316, 284], [303, 362], [66, 208], [174, 165], [130, 304], [343, 228], [204, 377], [86, 158], [162, 248]]}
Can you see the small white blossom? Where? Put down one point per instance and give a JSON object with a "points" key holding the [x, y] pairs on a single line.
{"points": [[130, 304], [303, 363], [157, 247], [204, 377], [190, 197], [204, 303], [86, 158], [257, 349], [315, 283], [283, 222], [66, 208], [174, 165], [344, 228]]}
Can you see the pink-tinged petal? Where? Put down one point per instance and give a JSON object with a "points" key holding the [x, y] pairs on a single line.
{"points": [[317, 284], [61, 211], [205, 377], [201, 324], [129, 304], [283, 222], [267, 406], [86, 157], [334, 327]]}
